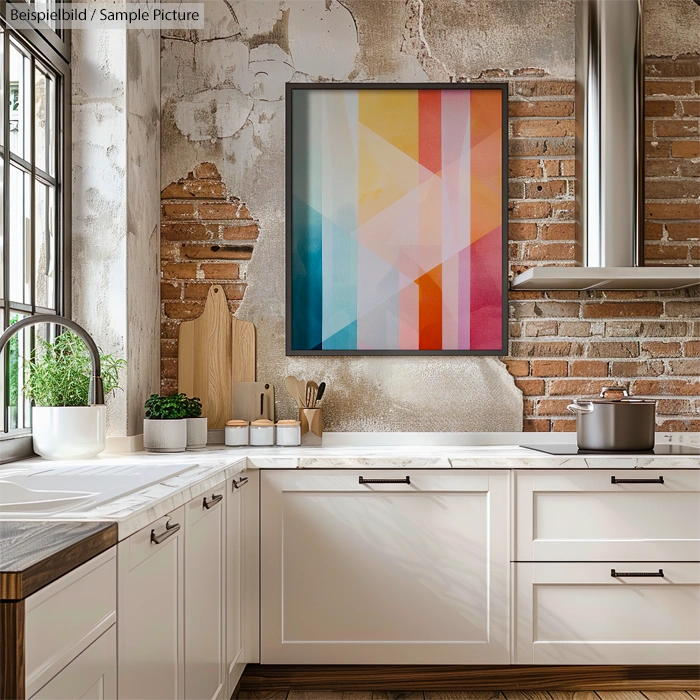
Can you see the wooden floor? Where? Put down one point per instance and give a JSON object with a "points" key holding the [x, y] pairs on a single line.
{"points": [[466, 695]]}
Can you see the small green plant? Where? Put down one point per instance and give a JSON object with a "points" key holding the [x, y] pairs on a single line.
{"points": [[58, 373], [193, 407], [170, 407]]}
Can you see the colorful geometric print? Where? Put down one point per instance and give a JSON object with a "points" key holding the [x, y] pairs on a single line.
{"points": [[396, 220]]}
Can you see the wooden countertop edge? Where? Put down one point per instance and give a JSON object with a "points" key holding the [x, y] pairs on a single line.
{"points": [[20, 585]]}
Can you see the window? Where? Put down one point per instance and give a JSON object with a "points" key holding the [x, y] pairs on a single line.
{"points": [[34, 190]]}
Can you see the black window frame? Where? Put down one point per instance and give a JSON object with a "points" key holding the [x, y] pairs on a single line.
{"points": [[52, 50]]}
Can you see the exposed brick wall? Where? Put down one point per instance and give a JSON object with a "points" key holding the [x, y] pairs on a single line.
{"points": [[207, 237], [567, 344]]}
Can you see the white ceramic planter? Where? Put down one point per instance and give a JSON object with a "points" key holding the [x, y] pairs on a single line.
{"points": [[68, 432], [164, 435], [196, 433]]}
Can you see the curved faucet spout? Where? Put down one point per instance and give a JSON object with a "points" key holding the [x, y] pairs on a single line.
{"points": [[96, 394]]}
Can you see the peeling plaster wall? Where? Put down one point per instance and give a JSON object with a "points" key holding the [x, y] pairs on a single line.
{"points": [[222, 102], [115, 261]]}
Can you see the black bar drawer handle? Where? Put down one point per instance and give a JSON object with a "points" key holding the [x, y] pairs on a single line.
{"points": [[170, 530], [405, 480], [212, 501], [638, 574], [242, 481], [615, 480]]}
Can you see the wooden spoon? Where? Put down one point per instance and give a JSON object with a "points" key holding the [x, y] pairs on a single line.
{"points": [[292, 384]]}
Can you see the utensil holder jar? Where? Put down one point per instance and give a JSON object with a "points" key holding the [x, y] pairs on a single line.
{"points": [[311, 420]]}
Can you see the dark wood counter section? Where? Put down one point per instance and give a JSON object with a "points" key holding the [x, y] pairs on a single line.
{"points": [[34, 553]]}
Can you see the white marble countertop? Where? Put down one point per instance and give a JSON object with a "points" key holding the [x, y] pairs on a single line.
{"points": [[154, 485]]}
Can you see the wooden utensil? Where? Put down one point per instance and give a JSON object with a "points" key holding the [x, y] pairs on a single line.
{"points": [[293, 388], [254, 400], [204, 366], [301, 388], [243, 350], [314, 391]]}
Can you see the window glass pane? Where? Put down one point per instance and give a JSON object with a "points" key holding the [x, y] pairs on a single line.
{"points": [[18, 94], [20, 236], [40, 133], [18, 410], [51, 124], [2, 91], [44, 245]]}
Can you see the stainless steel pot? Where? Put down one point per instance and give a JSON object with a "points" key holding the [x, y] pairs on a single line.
{"points": [[624, 424]]}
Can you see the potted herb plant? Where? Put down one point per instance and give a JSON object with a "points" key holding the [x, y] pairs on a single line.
{"points": [[57, 379], [165, 427], [196, 424]]}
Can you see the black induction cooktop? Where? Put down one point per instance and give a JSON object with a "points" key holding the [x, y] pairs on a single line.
{"points": [[680, 450]]}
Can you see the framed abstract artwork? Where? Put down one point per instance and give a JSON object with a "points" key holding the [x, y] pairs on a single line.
{"points": [[396, 219]]}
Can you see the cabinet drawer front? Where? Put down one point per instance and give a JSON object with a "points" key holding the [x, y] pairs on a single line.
{"points": [[584, 516], [384, 573], [92, 676], [64, 618], [581, 614]]}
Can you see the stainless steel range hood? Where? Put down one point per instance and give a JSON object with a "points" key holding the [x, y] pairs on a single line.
{"points": [[609, 159]]}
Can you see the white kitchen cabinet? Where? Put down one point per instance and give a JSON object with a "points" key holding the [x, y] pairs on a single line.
{"points": [[579, 613], [608, 515], [234, 581], [204, 596], [69, 633], [92, 675], [150, 623], [365, 572]]}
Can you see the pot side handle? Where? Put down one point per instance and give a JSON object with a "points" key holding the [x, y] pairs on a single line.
{"points": [[577, 408]]}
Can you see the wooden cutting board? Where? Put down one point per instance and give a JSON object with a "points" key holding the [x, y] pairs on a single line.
{"points": [[243, 351], [204, 359], [254, 400]]}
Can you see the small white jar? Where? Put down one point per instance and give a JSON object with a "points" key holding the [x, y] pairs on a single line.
{"points": [[288, 433], [236, 433], [262, 432]]}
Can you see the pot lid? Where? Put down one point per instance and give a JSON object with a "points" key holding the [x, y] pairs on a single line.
{"points": [[624, 398], [261, 423], [236, 423]]}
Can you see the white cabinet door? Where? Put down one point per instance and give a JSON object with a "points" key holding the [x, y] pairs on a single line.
{"points": [[234, 581], [92, 675], [357, 572], [204, 596], [579, 613], [608, 515], [150, 619]]}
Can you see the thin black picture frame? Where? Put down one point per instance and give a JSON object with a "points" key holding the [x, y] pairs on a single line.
{"points": [[294, 87]]}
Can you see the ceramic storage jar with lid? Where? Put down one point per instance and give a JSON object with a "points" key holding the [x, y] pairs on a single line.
{"points": [[236, 433], [262, 432], [288, 433]]}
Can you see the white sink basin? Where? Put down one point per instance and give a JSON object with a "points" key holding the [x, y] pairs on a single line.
{"points": [[17, 499]]}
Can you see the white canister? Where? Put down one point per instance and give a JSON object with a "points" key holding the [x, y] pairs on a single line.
{"points": [[288, 433], [236, 433], [262, 432]]}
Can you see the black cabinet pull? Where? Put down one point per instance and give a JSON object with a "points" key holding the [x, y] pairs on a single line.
{"points": [[170, 530], [639, 574], [615, 480], [237, 484], [405, 480], [212, 501]]}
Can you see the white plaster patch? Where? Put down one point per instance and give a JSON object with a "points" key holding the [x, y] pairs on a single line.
{"points": [[219, 21], [271, 68], [322, 38], [213, 114], [223, 62], [257, 16]]}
